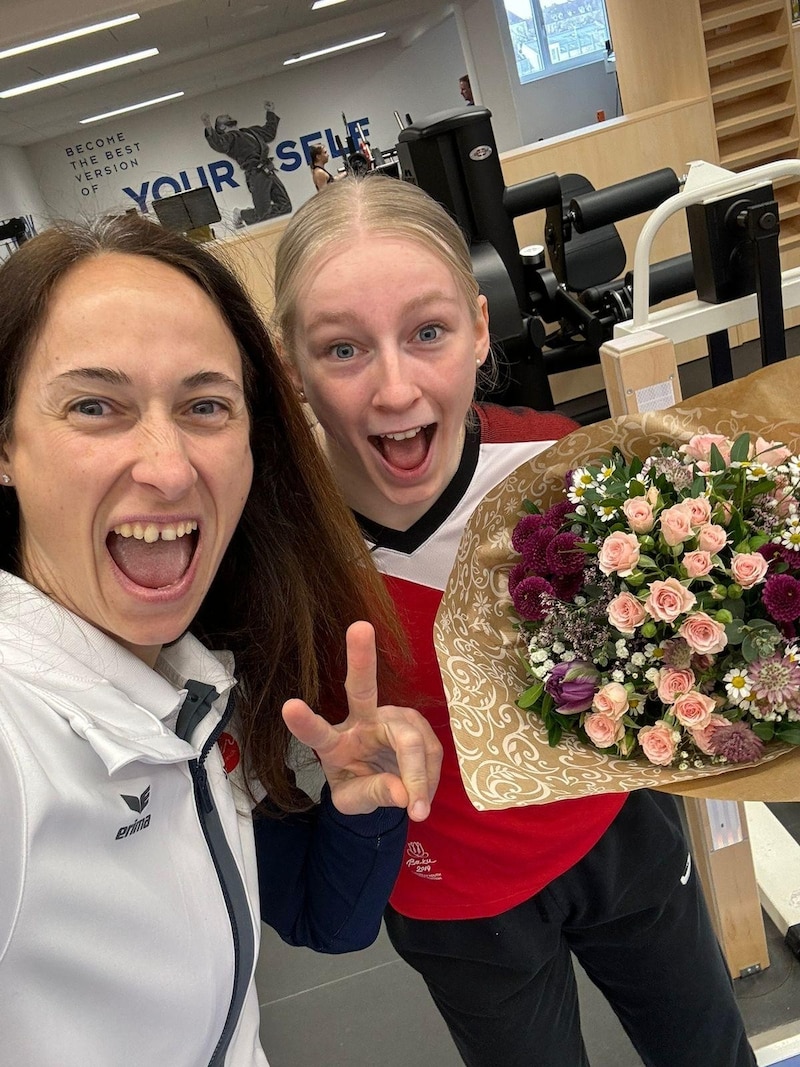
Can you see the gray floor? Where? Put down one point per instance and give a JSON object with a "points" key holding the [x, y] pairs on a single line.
{"points": [[368, 1009]]}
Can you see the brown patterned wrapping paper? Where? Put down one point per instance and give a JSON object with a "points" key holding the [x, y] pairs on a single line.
{"points": [[503, 752]]}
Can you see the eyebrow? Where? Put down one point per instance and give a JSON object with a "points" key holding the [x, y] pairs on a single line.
{"points": [[335, 318], [114, 377]]}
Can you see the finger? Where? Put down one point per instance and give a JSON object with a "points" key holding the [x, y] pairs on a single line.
{"points": [[419, 758], [361, 683], [360, 796], [309, 728]]}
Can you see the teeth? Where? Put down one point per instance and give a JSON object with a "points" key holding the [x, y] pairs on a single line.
{"points": [[404, 435], [150, 532]]}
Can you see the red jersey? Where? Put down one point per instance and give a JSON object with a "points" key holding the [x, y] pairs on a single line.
{"points": [[462, 863]]}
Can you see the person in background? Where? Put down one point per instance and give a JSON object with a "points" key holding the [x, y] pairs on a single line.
{"points": [[465, 89], [380, 315], [174, 564], [319, 175], [249, 147]]}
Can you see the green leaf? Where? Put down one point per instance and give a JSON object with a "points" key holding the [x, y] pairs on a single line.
{"points": [[530, 696], [735, 632], [790, 733], [554, 733], [741, 448], [531, 508], [764, 730], [716, 462]]}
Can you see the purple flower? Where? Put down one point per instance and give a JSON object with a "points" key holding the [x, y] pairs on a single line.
{"points": [[568, 587], [737, 743], [555, 515], [781, 597], [515, 576], [562, 555], [528, 598], [572, 686], [527, 527], [775, 681]]}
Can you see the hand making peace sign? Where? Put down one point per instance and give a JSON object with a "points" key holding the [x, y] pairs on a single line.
{"points": [[379, 756]]}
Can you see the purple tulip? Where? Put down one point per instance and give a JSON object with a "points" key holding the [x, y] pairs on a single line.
{"points": [[572, 686]]}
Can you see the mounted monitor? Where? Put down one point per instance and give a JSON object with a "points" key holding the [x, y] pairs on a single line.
{"points": [[187, 211]]}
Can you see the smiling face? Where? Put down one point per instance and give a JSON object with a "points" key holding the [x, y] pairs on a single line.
{"points": [[387, 347], [129, 448]]}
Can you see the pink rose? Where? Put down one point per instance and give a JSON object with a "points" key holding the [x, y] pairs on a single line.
{"points": [[703, 735], [748, 568], [676, 524], [699, 446], [693, 709], [659, 743], [697, 564], [668, 600], [611, 699], [703, 634], [672, 682], [700, 508], [603, 730], [771, 453], [711, 538], [639, 513], [626, 612], [619, 552]]}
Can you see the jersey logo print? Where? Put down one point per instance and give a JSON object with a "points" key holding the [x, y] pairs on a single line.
{"points": [[137, 803], [419, 862]]}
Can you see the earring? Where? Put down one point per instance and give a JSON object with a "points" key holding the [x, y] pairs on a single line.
{"points": [[6, 479], [301, 396]]}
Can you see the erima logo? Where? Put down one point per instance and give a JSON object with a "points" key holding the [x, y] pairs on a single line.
{"points": [[137, 804]]}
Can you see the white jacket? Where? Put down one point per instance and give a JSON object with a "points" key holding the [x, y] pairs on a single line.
{"points": [[116, 936]]}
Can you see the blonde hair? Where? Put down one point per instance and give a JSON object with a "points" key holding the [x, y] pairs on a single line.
{"points": [[370, 205]]}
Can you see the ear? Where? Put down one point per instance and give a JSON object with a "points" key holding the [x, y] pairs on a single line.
{"points": [[482, 331], [289, 365]]}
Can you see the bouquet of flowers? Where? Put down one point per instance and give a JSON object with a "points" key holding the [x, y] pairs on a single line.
{"points": [[737, 673], [659, 602]]}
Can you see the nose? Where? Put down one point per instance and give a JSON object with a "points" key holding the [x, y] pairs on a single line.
{"points": [[395, 389], [162, 461]]}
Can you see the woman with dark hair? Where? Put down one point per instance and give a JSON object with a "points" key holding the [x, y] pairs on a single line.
{"points": [[319, 175], [161, 497]]}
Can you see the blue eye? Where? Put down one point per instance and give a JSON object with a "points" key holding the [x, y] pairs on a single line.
{"points": [[91, 406], [206, 407], [344, 350], [430, 333]]}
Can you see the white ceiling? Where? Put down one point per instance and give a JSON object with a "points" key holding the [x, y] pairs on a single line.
{"points": [[203, 45]]}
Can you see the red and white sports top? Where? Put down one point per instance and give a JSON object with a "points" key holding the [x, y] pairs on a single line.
{"points": [[462, 863]]}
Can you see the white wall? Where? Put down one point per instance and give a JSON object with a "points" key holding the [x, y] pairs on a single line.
{"points": [[19, 193]]}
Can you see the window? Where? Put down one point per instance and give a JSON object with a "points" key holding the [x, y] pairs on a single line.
{"points": [[553, 35]]}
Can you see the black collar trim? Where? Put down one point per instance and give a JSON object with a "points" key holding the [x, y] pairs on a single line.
{"points": [[410, 540]]}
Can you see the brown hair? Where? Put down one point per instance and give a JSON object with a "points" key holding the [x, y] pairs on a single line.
{"points": [[296, 572], [314, 152]]}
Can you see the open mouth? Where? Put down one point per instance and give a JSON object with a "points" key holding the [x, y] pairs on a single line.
{"points": [[405, 450], [153, 555]]}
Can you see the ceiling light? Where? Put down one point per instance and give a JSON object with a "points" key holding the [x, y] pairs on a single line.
{"points": [[69, 35], [82, 72], [132, 107], [333, 48], [324, 3]]}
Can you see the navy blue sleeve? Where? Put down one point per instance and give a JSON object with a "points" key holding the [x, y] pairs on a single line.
{"points": [[324, 878]]}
